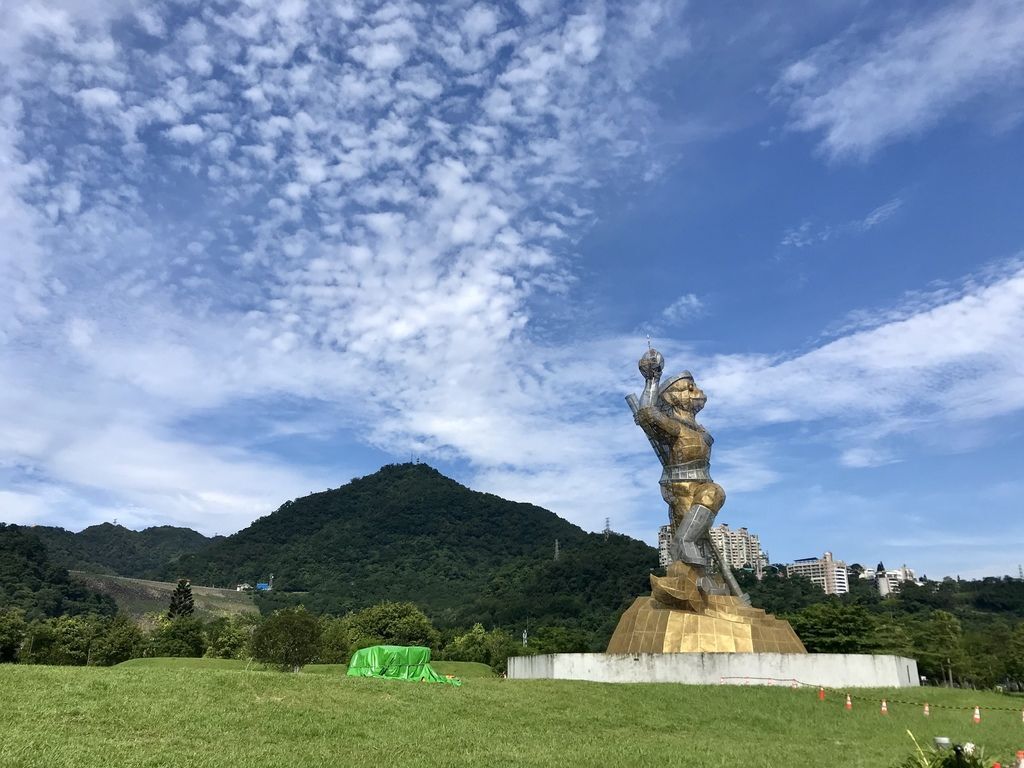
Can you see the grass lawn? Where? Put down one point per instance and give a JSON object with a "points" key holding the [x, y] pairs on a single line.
{"points": [[201, 715]]}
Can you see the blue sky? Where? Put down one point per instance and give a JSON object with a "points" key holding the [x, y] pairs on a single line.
{"points": [[253, 250]]}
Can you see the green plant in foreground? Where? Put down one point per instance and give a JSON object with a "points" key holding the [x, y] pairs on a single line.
{"points": [[959, 756]]}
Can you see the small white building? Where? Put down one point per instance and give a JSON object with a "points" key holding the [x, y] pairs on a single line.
{"points": [[889, 580], [826, 572]]}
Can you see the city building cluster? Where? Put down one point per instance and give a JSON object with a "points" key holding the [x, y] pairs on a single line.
{"points": [[741, 549]]}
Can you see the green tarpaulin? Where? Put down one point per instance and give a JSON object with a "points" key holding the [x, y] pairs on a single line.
{"points": [[396, 662]]}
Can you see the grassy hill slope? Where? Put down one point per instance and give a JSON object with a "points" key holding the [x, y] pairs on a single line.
{"points": [[131, 716], [138, 596]]}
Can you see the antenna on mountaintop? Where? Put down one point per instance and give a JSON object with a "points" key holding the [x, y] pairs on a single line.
{"points": [[1020, 572], [607, 528], [648, 341]]}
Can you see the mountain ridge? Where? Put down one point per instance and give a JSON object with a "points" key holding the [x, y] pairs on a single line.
{"points": [[404, 532]]}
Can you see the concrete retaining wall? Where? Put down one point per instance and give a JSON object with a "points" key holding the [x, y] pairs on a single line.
{"points": [[832, 670]]}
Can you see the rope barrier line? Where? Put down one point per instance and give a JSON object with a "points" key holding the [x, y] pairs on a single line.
{"points": [[931, 705], [792, 681]]}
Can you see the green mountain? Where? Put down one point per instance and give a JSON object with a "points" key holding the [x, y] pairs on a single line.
{"points": [[31, 582], [407, 532], [114, 549]]}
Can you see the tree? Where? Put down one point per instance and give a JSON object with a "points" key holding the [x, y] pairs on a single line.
{"points": [[939, 646], [471, 646], [65, 640], [778, 593], [12, 633], [181, 600], [183, 636], [335, 641], [229, 638], [492, 648], [1015, 657], [833, 627], [288, 640], [122, 640], [391, 624]]}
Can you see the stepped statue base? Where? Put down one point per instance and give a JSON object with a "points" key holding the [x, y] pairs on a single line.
{"points": [[679, 616]]}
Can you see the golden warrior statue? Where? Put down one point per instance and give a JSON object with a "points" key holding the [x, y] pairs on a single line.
{"points": [[668, 416], [689, 610]]}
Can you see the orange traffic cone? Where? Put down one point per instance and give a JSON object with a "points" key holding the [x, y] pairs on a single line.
{"points": [[977, 715], [849, 704], [885, 707], [821, 693], [927, 709]]}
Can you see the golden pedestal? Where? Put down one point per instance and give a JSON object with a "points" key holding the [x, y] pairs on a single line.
{"points": [[679, 617]]}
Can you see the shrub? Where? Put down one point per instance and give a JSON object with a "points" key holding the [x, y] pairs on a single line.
{"points": [[12, 633], [231, 638], [492, 648], [183, 636], [122, 640], [288, 640], [391, 624], [335, 641]]}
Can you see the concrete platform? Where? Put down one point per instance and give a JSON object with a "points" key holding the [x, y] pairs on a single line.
{"points": [[832, 670]]}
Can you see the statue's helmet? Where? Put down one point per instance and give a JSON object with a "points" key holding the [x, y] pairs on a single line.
{"points": [[680, 388]]}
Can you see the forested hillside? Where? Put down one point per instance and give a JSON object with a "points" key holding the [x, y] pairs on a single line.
{"points": [[31, 583], [407, 532], [114, 549]]}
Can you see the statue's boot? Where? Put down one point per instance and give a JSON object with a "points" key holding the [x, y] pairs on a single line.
{"points": [[691, 529]]}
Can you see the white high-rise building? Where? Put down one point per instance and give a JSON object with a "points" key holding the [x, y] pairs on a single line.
{"points": [[740, 548], [664, 545], [829, 574]]}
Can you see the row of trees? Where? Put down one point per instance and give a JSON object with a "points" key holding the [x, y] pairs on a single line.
{"points": [[292, 637], [950, 627], [288, 639]]}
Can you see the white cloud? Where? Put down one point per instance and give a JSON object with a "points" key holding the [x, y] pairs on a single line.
{"points": [[956, 357], [865, 456], [686, 308], [361, 220], [862, 95], [807, 234], [480, 20], [185, 134], [880, 214], [99, 98], [385, 56]]}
